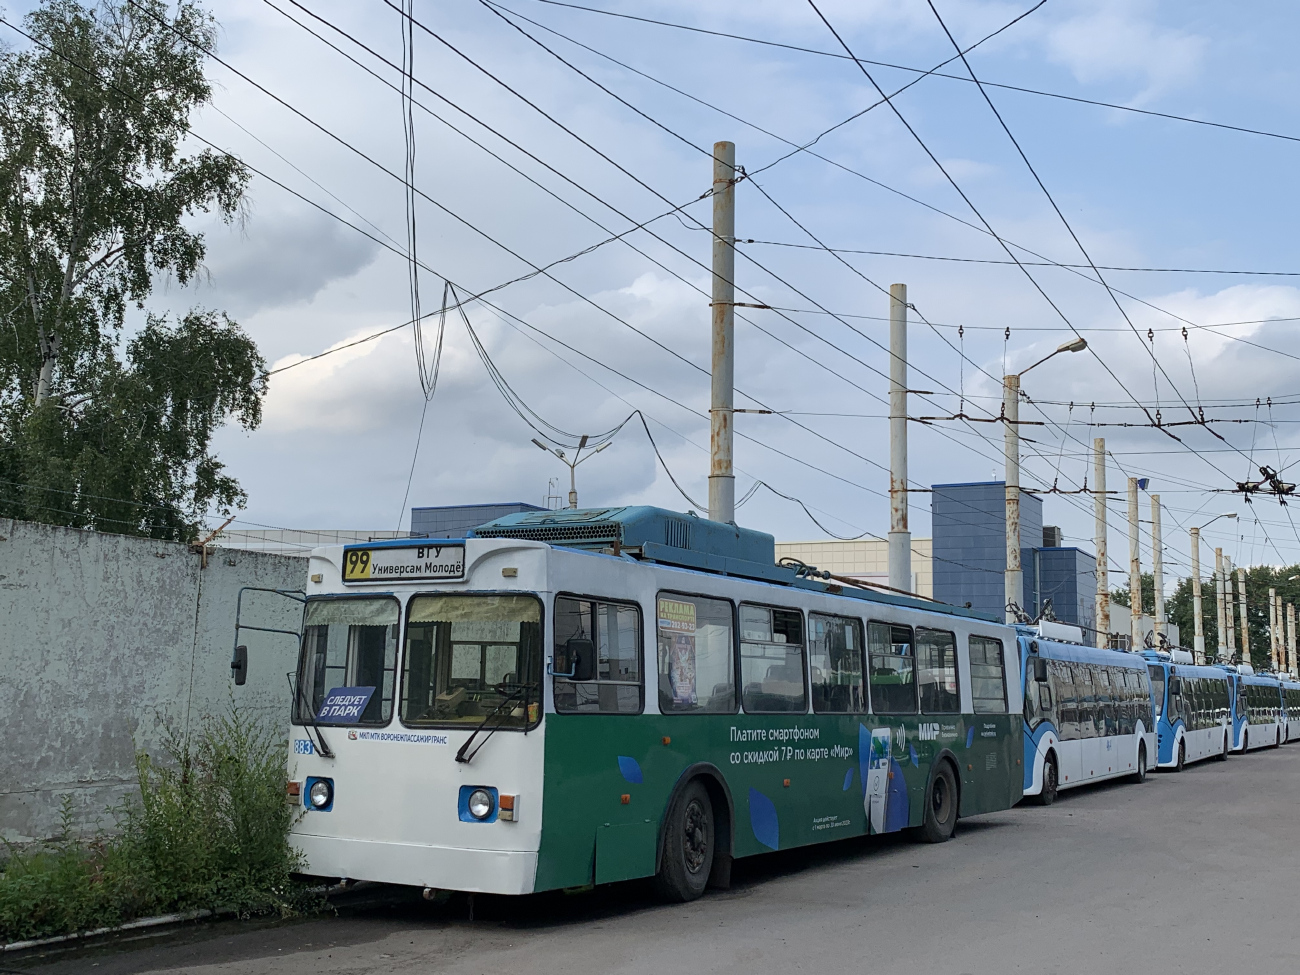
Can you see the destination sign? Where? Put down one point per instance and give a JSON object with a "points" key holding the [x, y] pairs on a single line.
{"points": [[407, 563]]}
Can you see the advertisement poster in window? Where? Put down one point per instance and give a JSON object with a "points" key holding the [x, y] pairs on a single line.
{"points": [[677, 632]]}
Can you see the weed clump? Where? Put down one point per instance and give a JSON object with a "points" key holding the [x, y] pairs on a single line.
{"points": [[209, 830]]}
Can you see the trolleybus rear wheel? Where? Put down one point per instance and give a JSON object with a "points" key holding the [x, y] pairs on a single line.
{"points": [[1278, 743], [940, 806], [688, 845], [1223, 756], [1140, 775], [1051, 782], [1182, 756]]}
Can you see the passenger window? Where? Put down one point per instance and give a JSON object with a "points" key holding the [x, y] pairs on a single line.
{"points": [[936, 660], [835, 656], [893, 670], [1067, 702], [696, 651], [602, 642], [771, 659], [988, 682]]}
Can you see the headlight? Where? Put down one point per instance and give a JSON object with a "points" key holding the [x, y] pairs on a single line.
{"points": [[321, 794], [480, 804]]}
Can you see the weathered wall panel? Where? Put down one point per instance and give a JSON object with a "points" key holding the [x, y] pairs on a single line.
{"points": [[106, 642]]}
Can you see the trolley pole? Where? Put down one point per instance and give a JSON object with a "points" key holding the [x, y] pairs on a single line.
{"points": [[1158, 568], [1241, 618], [1134, 568], [1198, 622], [1013, 583], [722, 481], [900, 539], [1099, 540], [1220, 582], [1272, 627]]}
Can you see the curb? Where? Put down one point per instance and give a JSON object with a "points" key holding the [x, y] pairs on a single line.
{"points": [[148, 922]]}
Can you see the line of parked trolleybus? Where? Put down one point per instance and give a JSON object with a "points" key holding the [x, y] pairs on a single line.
{"points": [[573, 698]]}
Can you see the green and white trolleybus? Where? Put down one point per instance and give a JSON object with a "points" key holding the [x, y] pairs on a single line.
{"points": [[585, 696]]}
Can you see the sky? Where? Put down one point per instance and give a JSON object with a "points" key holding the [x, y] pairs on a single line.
{"points": [[543, 130]]}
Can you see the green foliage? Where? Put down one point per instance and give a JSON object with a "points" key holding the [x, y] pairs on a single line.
{"points": [[209, 830], [1259, 579], [1124, 598], [95, 196]]}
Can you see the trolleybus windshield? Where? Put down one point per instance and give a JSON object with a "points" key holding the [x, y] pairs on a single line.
{"points": [[472, 657], [348, 644]]}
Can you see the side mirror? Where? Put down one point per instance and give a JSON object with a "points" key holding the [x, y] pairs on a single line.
{"points": [[1040, 670], [1175, 686], [1044, 697], [239, 666], [582, 659]]}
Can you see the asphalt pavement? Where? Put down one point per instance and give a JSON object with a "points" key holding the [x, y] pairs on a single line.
{"points": [[1196, 872]]}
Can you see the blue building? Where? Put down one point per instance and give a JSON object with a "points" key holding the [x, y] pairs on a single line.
{"points": [[453, 521], [970, 555]]}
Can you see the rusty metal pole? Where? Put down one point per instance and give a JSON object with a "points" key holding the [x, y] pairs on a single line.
{"points": [[1157, 567], [1134, 569], [900, 538], [1220, 583], [1198, 620], [722, 482], [1099, 539], [1013, 581], [1244, 634]]}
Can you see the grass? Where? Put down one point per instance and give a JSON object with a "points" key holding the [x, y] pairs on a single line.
{"points": [[209, 830]]}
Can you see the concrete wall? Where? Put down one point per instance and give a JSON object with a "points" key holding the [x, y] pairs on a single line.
{"points": [[106, 642], [866, 558]]}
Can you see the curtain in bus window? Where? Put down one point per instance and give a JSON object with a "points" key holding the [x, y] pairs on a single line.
{"points": [[988, 682], [696, 654], [615, 631], [472, 657], [936, 663], [348, 643], [835, 664], [771, 659], [893, 670]]}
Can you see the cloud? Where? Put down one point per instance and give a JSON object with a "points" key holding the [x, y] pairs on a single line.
{"points": [[1112, 41], [280, 258]]}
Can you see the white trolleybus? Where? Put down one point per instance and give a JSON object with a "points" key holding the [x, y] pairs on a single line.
{"points": [[585, 696], [1088, 712]]}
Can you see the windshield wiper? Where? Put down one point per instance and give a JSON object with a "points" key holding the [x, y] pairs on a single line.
{"points": [[296, 689], [521, 689]]}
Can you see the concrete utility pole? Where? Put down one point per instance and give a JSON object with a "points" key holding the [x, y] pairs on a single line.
{"points": [[1290, 638], [1134, 568], [1198, 621], [1157, 567], [1013, 586], [1013, 581], [722, 482], [1272, 627], [1231, 601], [1219, 583], [1241, 618], [1099, 540], [900, 539]]}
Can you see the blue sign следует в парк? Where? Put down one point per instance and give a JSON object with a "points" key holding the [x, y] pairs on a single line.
{"points": [[344, 705]]}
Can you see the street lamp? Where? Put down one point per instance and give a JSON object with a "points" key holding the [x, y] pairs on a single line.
{"points": [[1198, 644], [573, 464], [1014, 584]]}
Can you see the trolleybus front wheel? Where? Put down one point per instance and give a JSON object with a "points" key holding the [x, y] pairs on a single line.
{"points": [[1051, 781], [1182, 756], [687, 846], [940, 806]]}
